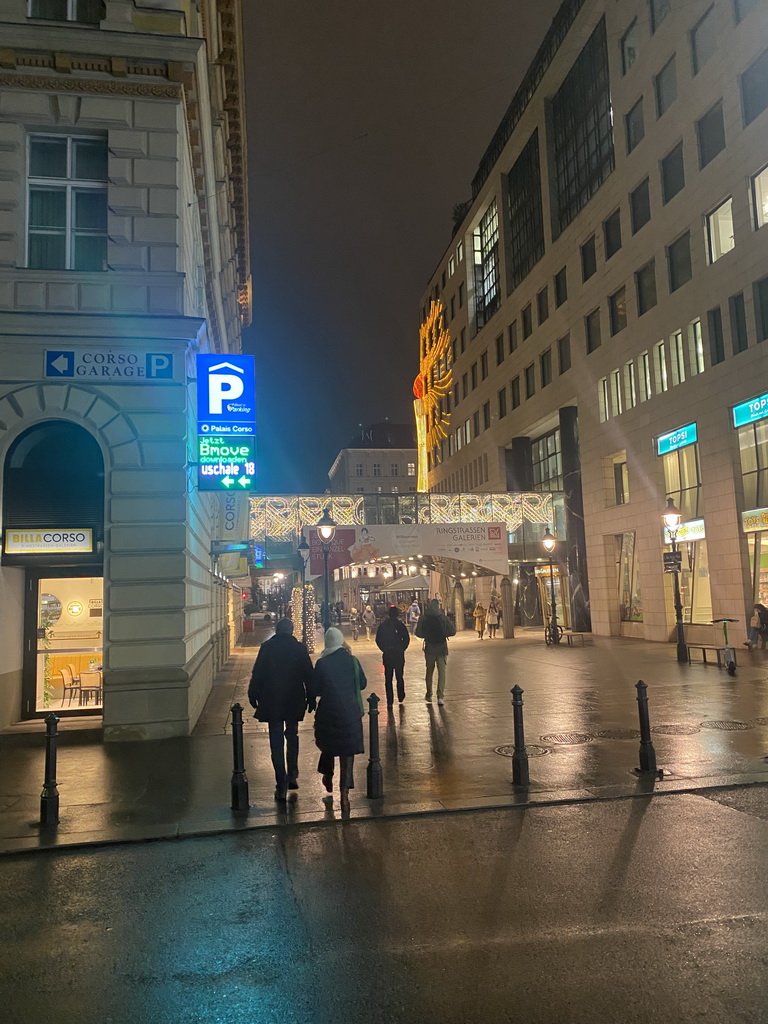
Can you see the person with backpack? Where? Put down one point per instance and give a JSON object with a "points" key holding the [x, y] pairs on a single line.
{"points": [[392, 639], [414, 614], [758, 627], [434, 628]]}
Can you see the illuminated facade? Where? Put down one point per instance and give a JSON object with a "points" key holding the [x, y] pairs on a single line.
{"points": [[431, 387]]}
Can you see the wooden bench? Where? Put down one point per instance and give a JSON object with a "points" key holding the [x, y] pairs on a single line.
{"points": [[719, 653], [570, 636]]}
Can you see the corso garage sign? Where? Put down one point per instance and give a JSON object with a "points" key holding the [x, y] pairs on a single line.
{"points": [[32, 542]]}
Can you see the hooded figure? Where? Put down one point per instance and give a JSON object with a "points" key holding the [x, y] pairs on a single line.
{"points": [[434, 628], [392, 639], [336, 684]]}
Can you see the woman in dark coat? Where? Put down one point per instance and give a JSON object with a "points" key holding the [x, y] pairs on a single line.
{"points": [[336, 684]]}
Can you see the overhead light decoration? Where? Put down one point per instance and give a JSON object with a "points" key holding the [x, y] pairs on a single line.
{"points": [[432, 384]]}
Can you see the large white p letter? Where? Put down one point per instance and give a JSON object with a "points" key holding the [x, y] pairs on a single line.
{"points": [[222, 386]]}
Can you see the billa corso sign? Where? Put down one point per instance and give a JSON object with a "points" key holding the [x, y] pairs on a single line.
{"points": [[47, 542]]}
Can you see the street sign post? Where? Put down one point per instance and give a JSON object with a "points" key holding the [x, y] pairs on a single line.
{"points": [[673, 561], [226, 462]]}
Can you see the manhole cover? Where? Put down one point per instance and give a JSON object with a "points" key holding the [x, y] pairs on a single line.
{"points": [[676, 730], [617, 734], [725, 726], [533, 750], [565, 738]]}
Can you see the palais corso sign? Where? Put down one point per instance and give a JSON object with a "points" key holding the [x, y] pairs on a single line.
{"points": [[47, 542]]}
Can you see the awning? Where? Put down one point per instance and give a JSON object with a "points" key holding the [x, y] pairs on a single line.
{"points": [[405, 583]]}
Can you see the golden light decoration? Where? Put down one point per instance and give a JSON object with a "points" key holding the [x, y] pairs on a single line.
{"points": [[432, 384], [309, 610]]}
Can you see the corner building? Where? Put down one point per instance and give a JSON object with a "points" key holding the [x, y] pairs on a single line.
{"points": [[123, 253], [607, 300]]}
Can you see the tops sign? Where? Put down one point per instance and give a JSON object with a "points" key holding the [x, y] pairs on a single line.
{"points": [[687, 532], [755, 519], [676, 439], [226, 402], [59, 542], [748, 412]]}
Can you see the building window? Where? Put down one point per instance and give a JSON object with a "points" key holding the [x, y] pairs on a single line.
{"points": [[456, 394], [665, 85], [677, 358], [486, 253], [411, 469], [394, 469], [682, 481], [453, 307], [588, 259], [547, 462], [628, 583], [695, 348], [467, 434], [630, 388], [545, 367], [564, 354], [672, 173], [602, 399], [754, 88], [660, 378], [634, 125], [527, 318], [463, 340], [644, 362], [85, 12], [67, 203], [716, 341], [720, 230], [524, 210], [500, 350], [616, 393], [645, 283], [592, 330], [461, 294], [464, 385], [617, 310], [743, 7], [486, 415], [760, 197], [377, 469], [582, 130], [612, 234], [753, 450], [515, 391], [358, 469], [679, 262], [561, 280], [640, 206], [738, 319], [760, 295], [512, 337], [451, 265], [502, 397], [530, 381], [476, 423], [473, 375], [542, 304], [710, 132], [484, 365], [630, 45], [703, 40], [659, 11]]}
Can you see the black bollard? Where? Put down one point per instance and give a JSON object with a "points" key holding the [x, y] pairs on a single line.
{"points": [[49, 798], [375, 774], [647, 753], [240, 803], [520, 756]]}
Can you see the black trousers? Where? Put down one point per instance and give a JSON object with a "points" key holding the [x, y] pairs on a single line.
{"points": [[289, 730], [346, 764], [394, 663]]}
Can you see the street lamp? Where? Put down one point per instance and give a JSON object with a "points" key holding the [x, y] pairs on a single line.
{"points": [[554, 630], [326, 528], [672, 517], [303, 552]]}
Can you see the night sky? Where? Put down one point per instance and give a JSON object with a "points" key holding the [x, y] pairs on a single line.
{"points": [[366, 122]]}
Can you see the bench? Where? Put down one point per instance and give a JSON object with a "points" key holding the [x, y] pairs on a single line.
{"points": [[719, 653], [570, 636]]}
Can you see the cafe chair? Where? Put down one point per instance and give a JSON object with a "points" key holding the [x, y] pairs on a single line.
{"points": [[90, 687], [70, 686]]}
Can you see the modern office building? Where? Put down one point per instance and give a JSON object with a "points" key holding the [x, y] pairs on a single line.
{"points": [[380, 460], [123, 253], [607, 303]]}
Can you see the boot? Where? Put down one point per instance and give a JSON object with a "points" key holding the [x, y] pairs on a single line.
{"points": [[345, 801]]}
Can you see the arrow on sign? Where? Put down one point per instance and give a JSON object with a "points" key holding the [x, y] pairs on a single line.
{"points": [[61, 364], [227, 481], [244, 481]]}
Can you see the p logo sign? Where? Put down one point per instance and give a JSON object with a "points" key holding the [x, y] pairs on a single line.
{"points": [[222, 383], [225, 394], [159, 366]]}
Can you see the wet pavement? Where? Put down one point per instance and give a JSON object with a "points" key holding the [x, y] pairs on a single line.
{"points": [[607, 912], [581, 732]]}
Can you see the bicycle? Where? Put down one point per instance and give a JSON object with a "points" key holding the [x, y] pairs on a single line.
{"points": [[553, 634], [728, 655]]}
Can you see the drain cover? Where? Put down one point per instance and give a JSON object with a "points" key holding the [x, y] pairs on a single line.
{"points": [[725, 726], [569, 738], [532, 749], [675, 730], [617, 734]]}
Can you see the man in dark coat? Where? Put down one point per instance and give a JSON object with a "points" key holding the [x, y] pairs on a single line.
{"points": [[279, 692], [392, 639], [434, 628]]}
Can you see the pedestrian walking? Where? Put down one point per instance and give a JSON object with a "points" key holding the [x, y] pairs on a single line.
{"points": [[279, 692], [336, 684], [758, 627], [369, 621], [479, 614], [434, 628], [492, 618], [354, 622], [392, 639], [414, 614]]}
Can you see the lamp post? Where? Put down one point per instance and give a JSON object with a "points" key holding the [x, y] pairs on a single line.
{"points": [[303, 552], [326, 528], [549, 546], [672, 517]]}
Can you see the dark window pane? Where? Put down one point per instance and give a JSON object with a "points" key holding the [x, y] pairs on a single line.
{"points": [[760, 294], [527, 317], [91, 210], [47, 252], [90, 252], [542, 305], [679, 260], [640, 206], [545, 367], [659, 11], [617, 308], [476, 423], [561, 287], [564, 353], [524, 212], [515, 392], [630, 43], [716, 344], [588, 259], [47, 208], [703, 40], [530, 381], [665, 84], [743, 7], [710, 131], [672, 173], [500, 350], [612, 233], [512, 336], [47, 157], [502, 396], [754, 88], [645, 281], [486, 415], [738, 323], [635, 125], [53, 10], [484, 365], [592, 330]]}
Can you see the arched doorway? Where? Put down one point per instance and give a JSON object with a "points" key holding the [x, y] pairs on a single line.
{"points": [[53, 528]]}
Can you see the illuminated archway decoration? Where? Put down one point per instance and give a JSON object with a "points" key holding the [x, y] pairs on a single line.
{"points": [[432, 384]]}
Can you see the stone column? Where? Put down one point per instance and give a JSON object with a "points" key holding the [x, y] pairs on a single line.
{"points": [[507, 608], [458, 605], [576, 546]]}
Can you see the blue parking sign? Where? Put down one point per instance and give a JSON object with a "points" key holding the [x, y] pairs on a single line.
{"points": [[226, 402]]}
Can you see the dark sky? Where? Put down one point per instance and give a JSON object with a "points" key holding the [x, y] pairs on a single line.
{"points": [[366, 122]]}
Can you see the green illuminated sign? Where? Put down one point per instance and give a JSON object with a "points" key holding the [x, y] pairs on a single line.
{"points": [[676, 439], [226, 462], [748, 412]]}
